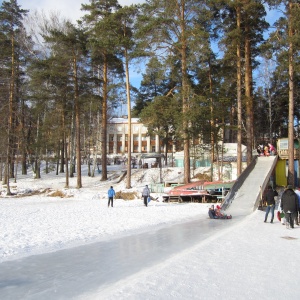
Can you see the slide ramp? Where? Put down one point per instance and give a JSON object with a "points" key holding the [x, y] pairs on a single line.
{"points": [[245, 194]]}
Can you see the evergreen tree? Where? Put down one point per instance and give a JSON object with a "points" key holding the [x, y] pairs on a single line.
{"points": [[11, 29], [102, 43], [153, 84], [169, 26], [161, 117], [286, 42], [244, 24]]}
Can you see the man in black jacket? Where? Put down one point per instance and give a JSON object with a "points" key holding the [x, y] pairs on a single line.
{"points": [[289, 204], [270, 194]]}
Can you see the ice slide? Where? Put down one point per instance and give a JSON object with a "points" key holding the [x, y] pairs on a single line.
{"points": [[244, 195]]}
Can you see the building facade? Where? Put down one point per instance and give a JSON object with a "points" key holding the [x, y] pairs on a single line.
{"points": [[140, 141]]}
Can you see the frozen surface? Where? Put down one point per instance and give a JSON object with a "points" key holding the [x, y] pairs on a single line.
{"points": [[70, 272], [77, 248]]}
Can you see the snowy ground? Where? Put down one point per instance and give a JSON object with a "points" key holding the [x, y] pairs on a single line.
{"points": [[252, 260]]}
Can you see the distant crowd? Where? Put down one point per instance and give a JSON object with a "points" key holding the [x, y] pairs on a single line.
{"points": [[266, 150]]}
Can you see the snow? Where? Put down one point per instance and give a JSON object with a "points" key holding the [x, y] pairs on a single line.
{"points": [[248, 259]]}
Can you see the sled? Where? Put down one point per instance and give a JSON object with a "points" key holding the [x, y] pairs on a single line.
{"points": [[280, 215]]}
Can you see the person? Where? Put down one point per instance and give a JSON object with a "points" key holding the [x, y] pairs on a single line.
{"points": [[259, 150], [272, 149], [270, 199], [211, 212], [111, 194], [297, 215], [289, 204], [220, 214], [146, 194], [280, 210], [266, 151], [215, 213]]}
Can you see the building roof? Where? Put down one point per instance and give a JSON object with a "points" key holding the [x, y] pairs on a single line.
{"points": [[152, 155], [123, 120]]}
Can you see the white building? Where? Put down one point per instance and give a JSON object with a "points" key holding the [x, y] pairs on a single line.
{"points": [[140, 143]]}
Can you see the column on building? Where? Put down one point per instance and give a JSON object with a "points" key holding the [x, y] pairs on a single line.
{"points": [[115, 144], [132, 135], [148, 144], [140, 142], [123, 142], [157, 144]]}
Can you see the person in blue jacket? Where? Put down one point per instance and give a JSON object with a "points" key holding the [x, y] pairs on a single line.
{"points": [[111, 194]]}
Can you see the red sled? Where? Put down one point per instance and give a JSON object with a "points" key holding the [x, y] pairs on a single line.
{"points": [[278, 216]]}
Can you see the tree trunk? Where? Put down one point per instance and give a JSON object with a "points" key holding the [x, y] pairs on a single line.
{"points": [[248, 94], [72, 148], [65, 148], [66, 160], [291, 169], [77, 122], [128, 183], [239, 95], [213, 140], [58, 157], [104, 121], [185, 104], [10, 112], [62, 157]]}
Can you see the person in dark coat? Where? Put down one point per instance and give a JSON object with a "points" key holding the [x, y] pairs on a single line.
{"points": [[270, 199], [289, 204], [211, 212]]}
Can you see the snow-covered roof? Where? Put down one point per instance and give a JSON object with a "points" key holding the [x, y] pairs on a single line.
{"points": [[123, 120]]}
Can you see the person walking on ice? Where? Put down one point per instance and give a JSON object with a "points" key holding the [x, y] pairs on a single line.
{"points": [[146, 194], [111, 194], [270, 199], [289, 204]]}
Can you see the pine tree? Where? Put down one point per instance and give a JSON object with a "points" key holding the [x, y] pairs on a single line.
{"points": [[11, 28], [243, 33], [175, 27], [102, 41]]}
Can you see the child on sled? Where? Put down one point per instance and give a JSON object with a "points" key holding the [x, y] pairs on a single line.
{"points": [[216, 213]]}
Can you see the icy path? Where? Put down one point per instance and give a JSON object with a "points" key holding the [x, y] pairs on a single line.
{"points": [[69, 273]]}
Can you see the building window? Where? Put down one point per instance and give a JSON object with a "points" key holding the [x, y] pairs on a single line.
{"points": [[111, 137], [120, 149]]}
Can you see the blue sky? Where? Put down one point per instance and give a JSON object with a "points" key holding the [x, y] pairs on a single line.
{"points": [[71, 10]]}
